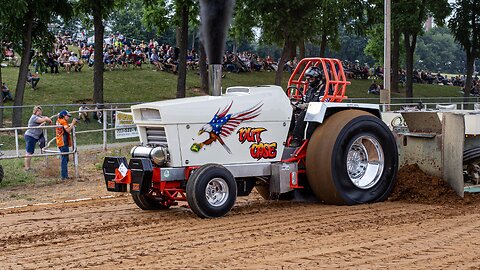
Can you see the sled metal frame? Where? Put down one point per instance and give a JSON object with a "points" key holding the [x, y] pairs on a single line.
{"points": [[435, 144], [334, 78]]}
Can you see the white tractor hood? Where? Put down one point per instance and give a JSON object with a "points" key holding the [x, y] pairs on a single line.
{"points": [[273, 102]]}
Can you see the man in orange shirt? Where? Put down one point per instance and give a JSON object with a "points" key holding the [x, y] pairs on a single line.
{"points": [[63, 139]]}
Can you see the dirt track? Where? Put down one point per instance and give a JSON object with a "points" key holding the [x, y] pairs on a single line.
{"points": [[426, 227], [115, 234]]}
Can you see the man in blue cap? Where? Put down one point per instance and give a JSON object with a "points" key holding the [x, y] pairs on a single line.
{"points": [[63, 139]]}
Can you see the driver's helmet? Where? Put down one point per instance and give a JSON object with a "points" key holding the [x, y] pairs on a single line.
{"points": [[314, 75]]}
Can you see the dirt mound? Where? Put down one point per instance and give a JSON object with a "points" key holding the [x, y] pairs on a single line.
{"points": [[414, 185]]}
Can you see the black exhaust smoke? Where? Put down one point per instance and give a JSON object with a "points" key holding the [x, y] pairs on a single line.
{"points": [[215, 18]]}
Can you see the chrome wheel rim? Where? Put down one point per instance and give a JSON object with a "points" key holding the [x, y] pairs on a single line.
{"points": [[365, 162], [217, 192]]}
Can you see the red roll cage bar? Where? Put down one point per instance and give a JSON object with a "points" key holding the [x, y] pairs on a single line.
{"points": [[334, 77]]}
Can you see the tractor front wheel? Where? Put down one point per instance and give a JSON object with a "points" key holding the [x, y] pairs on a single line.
{"points": [[352, 158], [211, 191]]}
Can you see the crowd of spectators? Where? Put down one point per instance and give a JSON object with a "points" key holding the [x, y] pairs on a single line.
{"points": [[248, 61], [122, 53]]}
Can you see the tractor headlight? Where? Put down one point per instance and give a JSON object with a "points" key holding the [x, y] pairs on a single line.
{"points": [[158, 155]]}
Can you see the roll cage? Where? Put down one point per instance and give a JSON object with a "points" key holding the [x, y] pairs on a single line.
{"points": [[334, 78]]}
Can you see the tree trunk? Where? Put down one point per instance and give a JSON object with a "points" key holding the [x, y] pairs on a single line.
{"points": [[23, 71], [470, 69], [202, 62], [395, 60], [182, 56], [281, 63], [178, 33], [409, 50], [293, 51], [98, 58], [323, 46], [301, 49]]}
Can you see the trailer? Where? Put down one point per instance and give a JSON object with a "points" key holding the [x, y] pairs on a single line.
{"points": [[208, 150]]}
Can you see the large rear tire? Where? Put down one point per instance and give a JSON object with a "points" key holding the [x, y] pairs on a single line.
{"points": [[352, 158], [146, 202], [211, 191]]}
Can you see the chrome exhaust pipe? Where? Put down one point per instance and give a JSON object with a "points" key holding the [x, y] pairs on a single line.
{"points": [[215, 74]]}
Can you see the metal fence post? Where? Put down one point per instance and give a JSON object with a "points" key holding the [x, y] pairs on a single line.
{"points": [[16, 143], [104, 118], [45, 134], [75, 154]]}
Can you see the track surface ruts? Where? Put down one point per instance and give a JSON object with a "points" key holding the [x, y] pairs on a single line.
{"points": [[115, 234]]}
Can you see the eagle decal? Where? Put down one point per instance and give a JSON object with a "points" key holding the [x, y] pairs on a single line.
{"points": [[223, 124]]}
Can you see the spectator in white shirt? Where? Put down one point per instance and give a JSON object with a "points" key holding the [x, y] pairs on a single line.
{"points": [[75, 62]]}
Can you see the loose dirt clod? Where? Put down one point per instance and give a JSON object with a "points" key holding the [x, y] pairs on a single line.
{"points": [[414, 185]]}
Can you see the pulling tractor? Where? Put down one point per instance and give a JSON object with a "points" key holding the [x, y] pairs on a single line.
{"points": [[208, 150]]}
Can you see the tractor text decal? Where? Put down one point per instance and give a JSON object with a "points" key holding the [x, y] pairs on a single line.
{"points": [[258, 149]]}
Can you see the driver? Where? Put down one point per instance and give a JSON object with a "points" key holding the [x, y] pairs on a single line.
{"points": [[315, 91]]}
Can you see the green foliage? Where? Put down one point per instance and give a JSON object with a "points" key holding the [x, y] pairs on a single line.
{"points": [[284, 19], [351, 48], [102, 7], [12, 20], [243, 22], [438, 52], [161, 15], [128, 21], [374, 47], [465, 25], [156, 15]]}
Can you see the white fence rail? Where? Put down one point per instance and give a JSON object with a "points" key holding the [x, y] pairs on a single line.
{"points": [[44, 152], [48, 151]]}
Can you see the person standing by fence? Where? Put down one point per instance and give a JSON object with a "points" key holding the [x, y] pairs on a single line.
{"points": [[63, 139], [32, 136]]}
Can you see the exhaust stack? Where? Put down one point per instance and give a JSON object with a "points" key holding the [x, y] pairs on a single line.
{"points": [[215, 76], [215, 19]]}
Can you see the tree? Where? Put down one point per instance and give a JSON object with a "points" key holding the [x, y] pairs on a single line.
{"points": [[351, 47], [465, 26], [158, 15], [437, 51], [128, 21], [291, 23], [411, 16], [283, 22], [99, 10], [182, 12], [25, 24]]}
